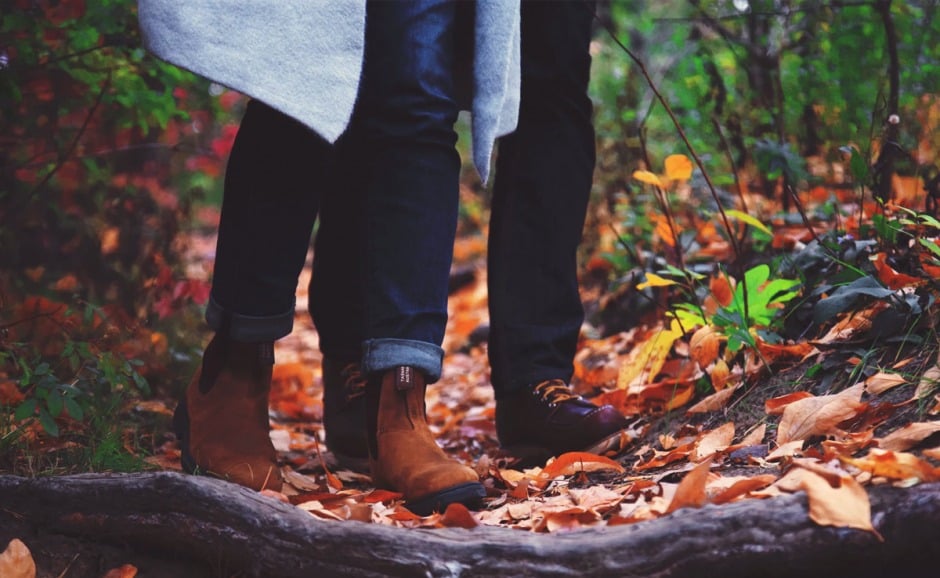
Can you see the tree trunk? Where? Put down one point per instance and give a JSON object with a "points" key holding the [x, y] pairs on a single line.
{"points": [[242, 531]]}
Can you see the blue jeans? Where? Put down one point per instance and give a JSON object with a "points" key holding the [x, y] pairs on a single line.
{"points": [[388, 195], [542, 187]]}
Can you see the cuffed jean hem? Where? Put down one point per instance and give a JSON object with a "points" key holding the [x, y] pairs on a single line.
{"points": [[380, 355], [248, 328]]}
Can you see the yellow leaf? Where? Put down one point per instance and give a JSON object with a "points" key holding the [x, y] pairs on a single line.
{"points": [[16, 561], [647, 177], [908, 436], [654, 280], [678, 168], [648, 359], [742, 216], [818, 415]]}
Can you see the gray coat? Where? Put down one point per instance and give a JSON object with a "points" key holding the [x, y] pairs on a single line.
{"points": [[304, 57]]}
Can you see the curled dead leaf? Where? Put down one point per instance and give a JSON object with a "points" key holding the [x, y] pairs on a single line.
{"points": [[573, 462], [908, 436], [691, 490], [845, 505], [713, 402], [124, 571], [16, 561], [703, 345], [818, 415]]}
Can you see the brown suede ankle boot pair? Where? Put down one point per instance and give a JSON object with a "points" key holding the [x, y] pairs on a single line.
{"points": [[403, 453], [222, 419]]}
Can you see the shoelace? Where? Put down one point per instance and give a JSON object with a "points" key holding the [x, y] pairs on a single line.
{"points": [[355, 382], [554, 391]]}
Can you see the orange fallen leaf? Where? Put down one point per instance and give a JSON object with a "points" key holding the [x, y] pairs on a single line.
{"points": [[458, 516], [125, 571], [379, 495], [721, 288], [895, 466], [678, 167], [776, 405], [891, 278], [908, 436], [713, 442], [703, 345], [818, 415], [16, 561], [845, 505], [691, 490], [573, 462], [847, 444], [713, 402]]}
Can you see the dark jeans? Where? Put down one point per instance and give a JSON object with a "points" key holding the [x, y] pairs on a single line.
{"points": [[543, 179], [388, 196], [542, 187]]}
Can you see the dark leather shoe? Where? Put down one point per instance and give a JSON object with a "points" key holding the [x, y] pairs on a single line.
{"points": [[546, 419], [344, 413]]}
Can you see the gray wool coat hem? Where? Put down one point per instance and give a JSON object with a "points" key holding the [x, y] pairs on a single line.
{"points": [[304, 57]]}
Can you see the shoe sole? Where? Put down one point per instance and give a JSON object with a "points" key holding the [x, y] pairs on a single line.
{"points": [[533, 455], [469, 494]]}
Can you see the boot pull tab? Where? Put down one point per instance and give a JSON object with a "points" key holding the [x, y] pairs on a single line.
{"points": [[266, 353], [404, 377]]}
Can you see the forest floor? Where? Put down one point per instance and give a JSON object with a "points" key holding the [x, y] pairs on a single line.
{"points": [[854, 406]]}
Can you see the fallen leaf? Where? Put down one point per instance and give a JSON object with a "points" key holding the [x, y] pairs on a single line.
{"points": [[754, 437], [713, 442], [691, 490], [891, 278], [16, 561], [125, 571], [713, 402], [882, 382], [457, 515], [818, 415], [742, 487], [895, 466], [776, 405], [844, 506], [573, 462], [908, 436], [703, 345]]}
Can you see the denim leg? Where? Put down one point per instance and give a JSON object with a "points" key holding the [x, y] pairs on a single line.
{"points": [[542, 186], [268, 210], [336, 299], [404, 126]]}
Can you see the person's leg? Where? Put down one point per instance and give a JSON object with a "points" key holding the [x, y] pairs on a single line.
{"points": [[404, 131], [268, 210], [542, 186], [336, 306]]}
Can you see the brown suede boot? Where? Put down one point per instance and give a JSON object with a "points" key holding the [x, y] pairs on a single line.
{"points": [[403, 455], [222, 419]]}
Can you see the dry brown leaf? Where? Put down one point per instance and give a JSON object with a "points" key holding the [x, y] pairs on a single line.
{"points": [[713, 442], [125, 571], [883, 381], [785, 450], [895, 466], [932, 453], [754, 437], [818, 415], [844, 506], [16, 561], [847, 444], [908, 436], [703, 345], [691, 490], [713, 402], [929, 381], [741, 487], [853, 325]]}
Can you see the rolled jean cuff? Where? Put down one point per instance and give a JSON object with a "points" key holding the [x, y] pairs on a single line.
{"points": [[247, 328], [380, 355]]}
